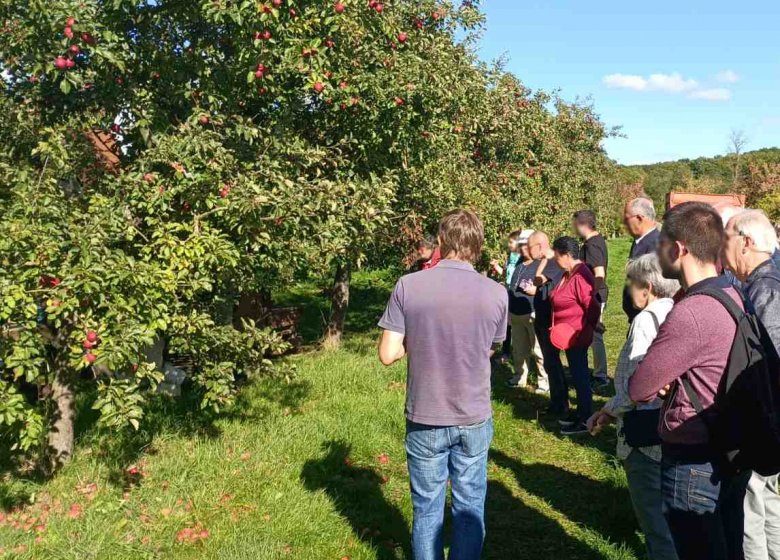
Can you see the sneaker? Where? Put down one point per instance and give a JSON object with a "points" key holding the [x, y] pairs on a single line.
{"points": [[569, 421], [514, 382], [540, 391], [575, 429]]}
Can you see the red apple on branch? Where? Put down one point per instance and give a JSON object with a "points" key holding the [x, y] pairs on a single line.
{"points": [[339, 8], [70, 21], [69, 32], [402, 37], [318, 87]]}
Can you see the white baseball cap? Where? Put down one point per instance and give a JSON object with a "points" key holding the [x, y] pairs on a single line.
{"points": [[525, 235]]}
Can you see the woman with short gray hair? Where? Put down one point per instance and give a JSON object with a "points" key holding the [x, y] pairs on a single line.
{"points": [[638, 443]]}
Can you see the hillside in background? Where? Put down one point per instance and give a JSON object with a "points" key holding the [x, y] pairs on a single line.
{"points": [[753, 173]]}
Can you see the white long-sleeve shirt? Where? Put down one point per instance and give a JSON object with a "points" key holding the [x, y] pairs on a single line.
{"points": [[640, 336]]}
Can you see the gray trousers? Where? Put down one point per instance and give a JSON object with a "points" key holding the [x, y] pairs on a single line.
{"points": [[762, 518], [644, 485]]}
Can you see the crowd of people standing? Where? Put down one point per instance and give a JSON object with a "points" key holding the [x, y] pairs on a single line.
{"points": [[696, 287]]}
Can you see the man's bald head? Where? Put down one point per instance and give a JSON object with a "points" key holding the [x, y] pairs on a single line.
{"points": [[539, 237], [538, 245]]}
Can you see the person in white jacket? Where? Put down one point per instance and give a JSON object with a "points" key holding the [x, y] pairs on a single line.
{"points": [[650, 293]]}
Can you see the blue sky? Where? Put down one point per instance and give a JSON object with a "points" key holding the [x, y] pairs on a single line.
{"points": [[678, 76]]}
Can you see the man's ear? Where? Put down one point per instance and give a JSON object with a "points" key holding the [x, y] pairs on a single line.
{"points": [[680, 250]]}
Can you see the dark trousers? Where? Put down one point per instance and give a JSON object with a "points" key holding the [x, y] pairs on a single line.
{"points": [[506, 348], [580, 374], [559, 389], [704, 509]]}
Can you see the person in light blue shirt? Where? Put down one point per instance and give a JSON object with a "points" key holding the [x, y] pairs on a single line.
{"points": [[505, 274]]}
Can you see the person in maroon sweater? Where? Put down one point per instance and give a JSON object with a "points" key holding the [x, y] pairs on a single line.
{"points": [[576, 311], [693, 344]]}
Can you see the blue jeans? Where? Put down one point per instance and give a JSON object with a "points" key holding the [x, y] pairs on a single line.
{"points": [[435, 454], [578, 367], [691, 495]]}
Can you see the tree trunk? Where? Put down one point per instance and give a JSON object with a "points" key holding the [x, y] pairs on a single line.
{"points": [[736, 172], [339, 300], [61, 431]]}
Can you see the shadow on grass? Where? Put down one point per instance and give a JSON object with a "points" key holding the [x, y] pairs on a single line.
{"points": [[517, 531], [182, 416], [514, 530], [597, 505], [356, 492]]}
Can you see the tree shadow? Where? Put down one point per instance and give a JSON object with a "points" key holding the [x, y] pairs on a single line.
{"points": [[356, 492], [183, 416], [515, 530], [599, 505], [180, 416]]}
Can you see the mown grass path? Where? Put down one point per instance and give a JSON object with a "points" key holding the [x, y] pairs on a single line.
{"points": [[316, 470]]}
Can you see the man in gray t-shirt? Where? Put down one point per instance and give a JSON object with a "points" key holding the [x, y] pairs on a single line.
{"points": [[447, 320]]}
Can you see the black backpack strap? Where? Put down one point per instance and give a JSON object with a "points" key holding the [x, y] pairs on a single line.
{"points": [[656, 322], [726, 300], [692, 395], [736, 313]]}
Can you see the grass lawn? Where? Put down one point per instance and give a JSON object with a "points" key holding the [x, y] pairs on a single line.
{"points": [[315, 469]]}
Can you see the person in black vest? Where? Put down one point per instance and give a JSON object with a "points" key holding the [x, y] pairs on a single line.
{"points": [[640, 221]]}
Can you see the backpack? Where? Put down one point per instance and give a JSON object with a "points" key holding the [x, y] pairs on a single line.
{"points": [[744, 422]]}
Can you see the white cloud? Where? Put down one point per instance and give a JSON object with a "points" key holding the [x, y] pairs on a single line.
{"points": [[669, 83], [714, 94], [625, 81], [673, 84], [727, 77]]}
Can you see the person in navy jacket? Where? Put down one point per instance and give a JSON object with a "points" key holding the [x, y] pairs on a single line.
{"points": [[640, 221]]}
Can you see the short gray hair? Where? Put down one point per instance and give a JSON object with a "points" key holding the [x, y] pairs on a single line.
{"points": [[643, 207], [756, 225], [646, 272]]}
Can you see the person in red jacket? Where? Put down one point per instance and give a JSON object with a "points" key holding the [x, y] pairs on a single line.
{"points": [[428, 254], [576, 313]]}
